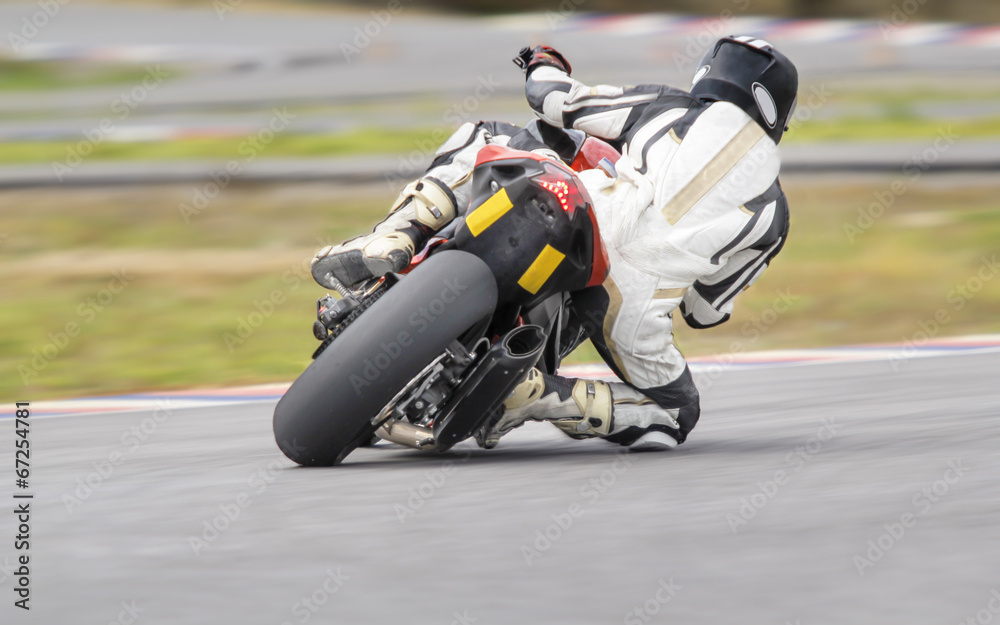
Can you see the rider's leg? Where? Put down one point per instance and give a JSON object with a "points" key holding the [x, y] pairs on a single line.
{"points": [[630, 325], [617, 412], [423, 207]]}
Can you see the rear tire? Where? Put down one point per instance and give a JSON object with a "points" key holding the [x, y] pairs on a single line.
{"points": [[327, 411]]}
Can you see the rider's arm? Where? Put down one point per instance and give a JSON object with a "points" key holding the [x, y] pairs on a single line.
{"points": [[709, 301], [456, 158], [604, 111]]}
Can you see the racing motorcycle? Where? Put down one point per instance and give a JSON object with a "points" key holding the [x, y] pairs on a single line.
{"points": [[425, 358]]}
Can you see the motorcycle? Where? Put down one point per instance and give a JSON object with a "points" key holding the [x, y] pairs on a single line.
{"points": [[425, 358]]}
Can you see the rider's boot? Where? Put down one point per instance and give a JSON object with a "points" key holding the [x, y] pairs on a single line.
{"points": [[585, 409], [422, 208]]}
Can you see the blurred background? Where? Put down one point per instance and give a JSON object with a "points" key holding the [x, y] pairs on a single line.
{"points": [[167, 169]]}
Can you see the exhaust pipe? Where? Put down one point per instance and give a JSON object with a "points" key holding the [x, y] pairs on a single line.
{"points": [[522, 344], [501, 369], [407, 434]]}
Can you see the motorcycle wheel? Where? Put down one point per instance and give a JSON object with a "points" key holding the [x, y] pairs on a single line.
{"points": [[327, 411]]}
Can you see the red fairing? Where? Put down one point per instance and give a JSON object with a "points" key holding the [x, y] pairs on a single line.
{"points": [[591, 153], [494, 152], [601, 265], [424, 253]]}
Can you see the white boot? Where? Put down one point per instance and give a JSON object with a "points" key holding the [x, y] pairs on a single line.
{"points": [[422, 208], [654, 441], [582, 409]]}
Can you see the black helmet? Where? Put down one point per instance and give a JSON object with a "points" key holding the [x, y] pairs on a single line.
{"points": [[754, 76]]}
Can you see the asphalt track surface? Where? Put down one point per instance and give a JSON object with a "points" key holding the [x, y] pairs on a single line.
{"points": [[400, 536]]}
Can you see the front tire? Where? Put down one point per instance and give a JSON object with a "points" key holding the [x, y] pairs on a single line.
{"points": [[327, 411]]}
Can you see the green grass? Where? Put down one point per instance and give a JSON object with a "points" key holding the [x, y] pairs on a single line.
{"points": [[160, 331], [897, 124], [44, 75], [361, 141], [194, 282], [393, 141]]}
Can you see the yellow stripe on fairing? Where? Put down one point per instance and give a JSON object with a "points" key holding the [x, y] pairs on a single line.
{"points": [[541, 270], [488, 212]]}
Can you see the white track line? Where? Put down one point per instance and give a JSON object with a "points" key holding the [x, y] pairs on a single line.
{"points": [[202, 398]]}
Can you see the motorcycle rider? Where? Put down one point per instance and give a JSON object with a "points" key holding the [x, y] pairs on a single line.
{"points": [[691, 215]]}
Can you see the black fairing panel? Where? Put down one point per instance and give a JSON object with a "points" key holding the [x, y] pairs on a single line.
{"points": [[513, 242]]}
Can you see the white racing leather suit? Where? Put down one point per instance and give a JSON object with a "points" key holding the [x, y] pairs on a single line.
{"points": [[693, 217]]}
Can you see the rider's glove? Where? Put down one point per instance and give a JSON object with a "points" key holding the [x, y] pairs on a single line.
{"points": [[528, 59]]}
